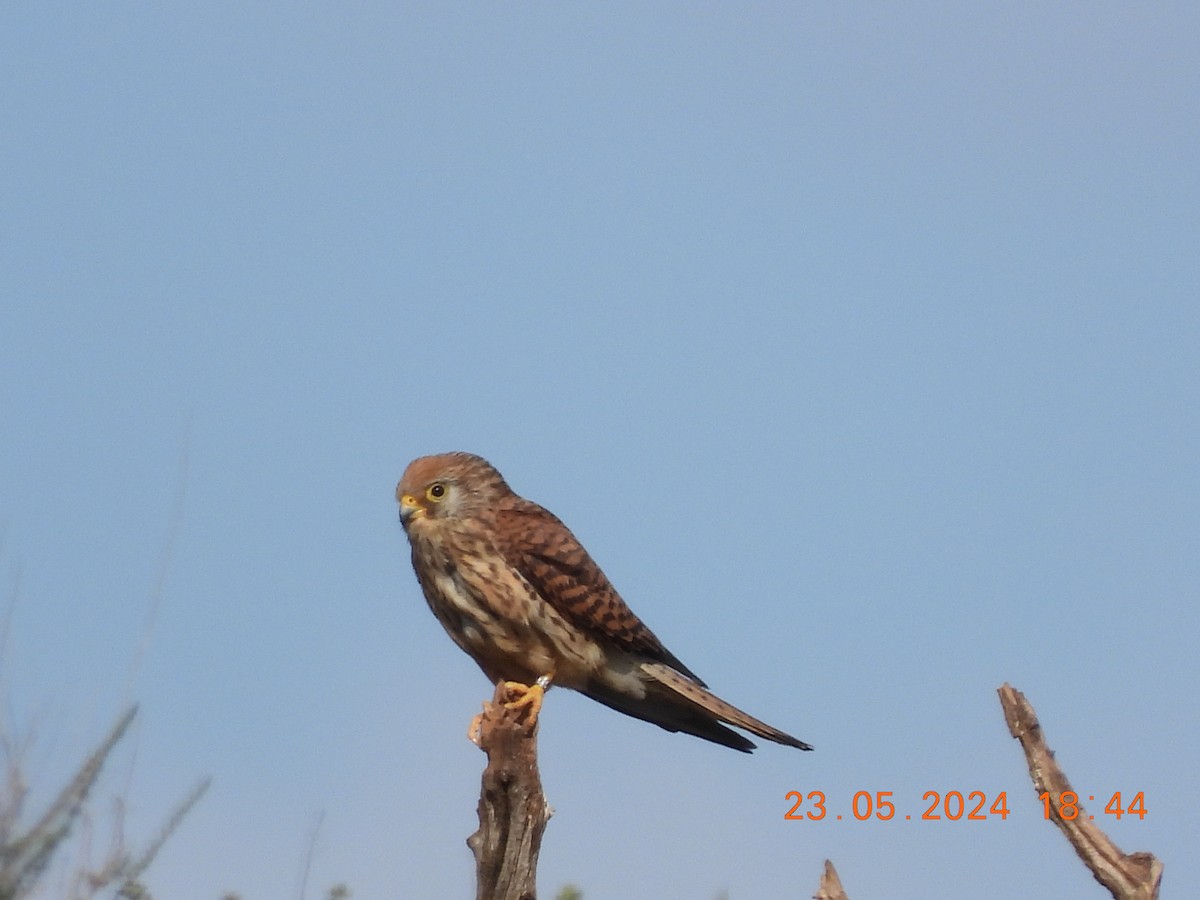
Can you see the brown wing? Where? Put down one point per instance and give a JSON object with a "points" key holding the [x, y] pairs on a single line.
{"points": [[543, 550]]}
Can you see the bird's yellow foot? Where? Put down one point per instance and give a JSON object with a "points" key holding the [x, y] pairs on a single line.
{"points": [[527, 696], [517, 696]]}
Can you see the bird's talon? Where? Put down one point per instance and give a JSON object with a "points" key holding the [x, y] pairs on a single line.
{"points": [[527, 696]]}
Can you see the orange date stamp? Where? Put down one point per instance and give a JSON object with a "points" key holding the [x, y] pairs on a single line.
{"points": [[953, 806]]}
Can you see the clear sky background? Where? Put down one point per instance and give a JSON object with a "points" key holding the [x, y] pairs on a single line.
{"points": [[860, 344]]}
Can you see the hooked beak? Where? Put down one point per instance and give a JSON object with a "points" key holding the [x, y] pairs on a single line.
{"points": [[410, 509]]}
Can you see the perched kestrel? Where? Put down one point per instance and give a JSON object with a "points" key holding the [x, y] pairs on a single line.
{"points": [[515, 590]]}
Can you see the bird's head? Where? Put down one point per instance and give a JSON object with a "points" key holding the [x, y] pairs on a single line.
{"points": [[447, 486]]}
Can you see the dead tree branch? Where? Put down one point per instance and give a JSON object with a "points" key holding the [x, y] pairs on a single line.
{"points": [[1135, 876], [512, 808], [831, 886]]}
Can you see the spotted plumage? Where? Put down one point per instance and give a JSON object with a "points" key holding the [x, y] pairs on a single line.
{"points": [[516, 590]]}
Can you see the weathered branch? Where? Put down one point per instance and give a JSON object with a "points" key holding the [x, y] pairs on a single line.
{"points": [[1134, 876], [831, 886], [512, 808]]}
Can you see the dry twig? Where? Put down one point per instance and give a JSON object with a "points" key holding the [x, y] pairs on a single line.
{"points": [[23, 861]]}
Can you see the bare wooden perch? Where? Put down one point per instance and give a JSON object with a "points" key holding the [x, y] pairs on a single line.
{"points": [[1134, 876], [512, 808]]}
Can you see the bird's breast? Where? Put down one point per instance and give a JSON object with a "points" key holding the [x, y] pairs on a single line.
{"points": [[495, 615]]}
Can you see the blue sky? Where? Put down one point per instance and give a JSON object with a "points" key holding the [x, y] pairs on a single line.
{"points": [[858, 343]]}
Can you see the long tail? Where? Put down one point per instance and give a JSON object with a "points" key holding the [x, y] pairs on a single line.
{"points": [[710, 702], [677, 703]]}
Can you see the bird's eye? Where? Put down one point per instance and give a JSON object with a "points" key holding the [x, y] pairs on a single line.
{"points": [[436, 491]]}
